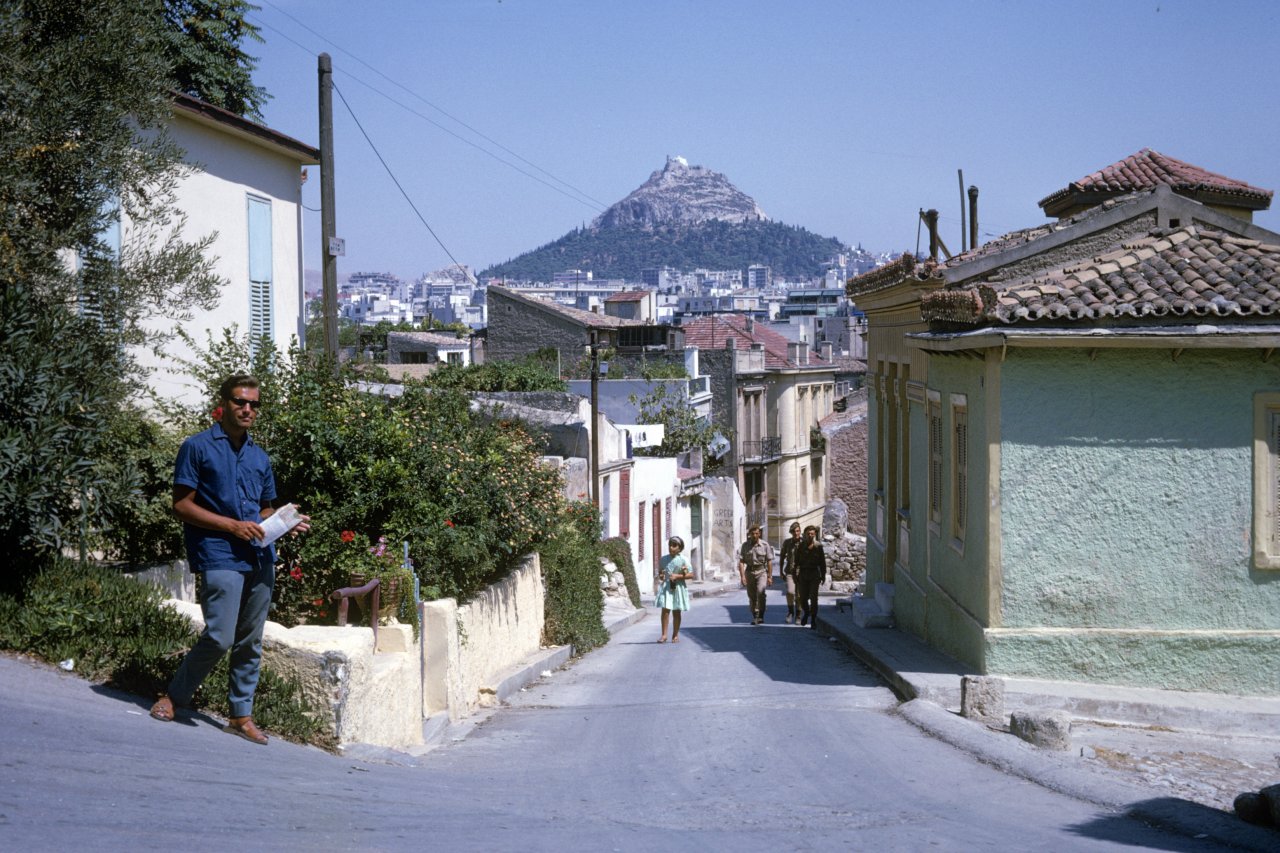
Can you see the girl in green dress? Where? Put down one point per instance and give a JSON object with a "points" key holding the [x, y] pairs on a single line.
{"points": [[673, 593]]}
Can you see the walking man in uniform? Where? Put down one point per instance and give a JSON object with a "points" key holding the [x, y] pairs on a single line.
{"points": [[755, 569]]}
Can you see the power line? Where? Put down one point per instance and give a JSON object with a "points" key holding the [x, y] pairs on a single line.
{"points": [[582, 196], [396, 181]]}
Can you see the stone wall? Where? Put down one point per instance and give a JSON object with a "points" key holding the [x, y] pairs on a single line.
{"points": [[517, 330], [847, 459], [846, 560]]}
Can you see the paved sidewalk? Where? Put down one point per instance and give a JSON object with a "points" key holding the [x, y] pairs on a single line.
{"points": [[1172, 757], [1164, 754]]}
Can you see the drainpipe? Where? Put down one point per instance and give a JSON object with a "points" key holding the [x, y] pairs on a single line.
{"points": [[931, 220]]}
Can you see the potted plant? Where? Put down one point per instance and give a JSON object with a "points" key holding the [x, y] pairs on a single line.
{"points": [[360, 562]]}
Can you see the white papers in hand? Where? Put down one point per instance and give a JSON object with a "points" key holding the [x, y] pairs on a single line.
{"points": [[278, 524]]}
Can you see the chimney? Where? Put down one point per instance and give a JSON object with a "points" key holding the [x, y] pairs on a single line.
{"points": [[973, 217], [931, 220], [826, 350], [751, 326], [730, 342], [793, 352], [804, 352]]}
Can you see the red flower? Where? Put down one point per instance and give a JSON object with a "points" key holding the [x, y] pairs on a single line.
{"points": [[317, 601], [448, 523], [296, 573], [216, 414], [347, 536]]}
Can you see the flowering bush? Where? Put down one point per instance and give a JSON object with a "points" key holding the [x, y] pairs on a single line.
{"points": [[465, 491]]}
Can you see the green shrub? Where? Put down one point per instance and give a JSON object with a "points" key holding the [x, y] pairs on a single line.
{"points": [[465, 491], [60, 385], [115, 630], [618, 551], [140, 528], [571, 566]]}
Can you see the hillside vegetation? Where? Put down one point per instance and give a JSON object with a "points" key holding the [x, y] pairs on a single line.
{"points": [[791, 251]]}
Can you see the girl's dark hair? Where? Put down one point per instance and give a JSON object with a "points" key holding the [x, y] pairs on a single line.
{"points": [[811, 527], [676, 540]]}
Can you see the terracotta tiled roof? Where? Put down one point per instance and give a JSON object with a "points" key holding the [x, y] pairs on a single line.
{"points": [[1148, 169], [433, 338], [889, 274], [1013, 239], [1171, 275], [628, 296], [709, 333], [588, 319]]}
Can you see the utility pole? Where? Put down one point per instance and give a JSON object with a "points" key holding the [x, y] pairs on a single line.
{"points": [[595, 421], [328, 216]]}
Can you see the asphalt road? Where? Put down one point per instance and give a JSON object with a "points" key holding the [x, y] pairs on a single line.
{"points": [[737, 738]]}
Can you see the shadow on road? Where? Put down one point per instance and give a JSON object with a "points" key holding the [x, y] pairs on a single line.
{"points": [[184, 717], [1182, 816], [785, 653]]}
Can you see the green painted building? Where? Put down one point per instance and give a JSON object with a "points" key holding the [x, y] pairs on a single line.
{"points": [[1074, 436]]}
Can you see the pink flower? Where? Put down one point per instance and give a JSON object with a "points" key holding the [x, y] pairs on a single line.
{"points": [[347, 536], [448, 523], [296, 573], [216, 414]]}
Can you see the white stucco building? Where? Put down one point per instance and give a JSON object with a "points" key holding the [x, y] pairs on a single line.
{"points": [[245, 185]]}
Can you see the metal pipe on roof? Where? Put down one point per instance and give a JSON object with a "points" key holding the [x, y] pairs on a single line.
{"points": [[973, 217], [931, 220]]}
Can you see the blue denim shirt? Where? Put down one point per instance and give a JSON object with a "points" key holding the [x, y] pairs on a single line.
{"points": [[232, 483]]}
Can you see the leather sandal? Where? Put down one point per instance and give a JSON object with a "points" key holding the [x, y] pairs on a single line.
{"points": [[245, 728], [162, 710]]}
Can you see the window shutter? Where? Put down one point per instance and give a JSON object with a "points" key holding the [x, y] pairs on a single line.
{"points": [[1273, 438], [261, 321], [962, 471], [640, 531], [935, 463], [624, 504]]}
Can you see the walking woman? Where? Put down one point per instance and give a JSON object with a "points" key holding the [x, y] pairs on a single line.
{"points": [[811, 572], [673, 594]]}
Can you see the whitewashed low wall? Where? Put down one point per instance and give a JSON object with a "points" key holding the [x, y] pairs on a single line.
{"points": [[467, 648], [362, 696], [383, 696]]}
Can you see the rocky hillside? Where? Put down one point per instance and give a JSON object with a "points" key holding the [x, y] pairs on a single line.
{"points": [[680, 194], [686, 217]]}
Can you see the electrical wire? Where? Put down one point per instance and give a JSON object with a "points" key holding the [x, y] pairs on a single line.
{"points": [[435, 107], [580, 197], [396, 181]]}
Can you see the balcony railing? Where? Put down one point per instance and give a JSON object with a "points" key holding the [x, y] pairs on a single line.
{"points": [[762, 451]]}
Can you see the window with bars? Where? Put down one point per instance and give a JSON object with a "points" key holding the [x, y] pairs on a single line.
{"points": [[1266, 485], [959, 465], [624, 504], [935, 458], [261, 321]]}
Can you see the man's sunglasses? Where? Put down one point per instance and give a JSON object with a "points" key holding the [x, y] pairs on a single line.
{"points": [[241, 402]]}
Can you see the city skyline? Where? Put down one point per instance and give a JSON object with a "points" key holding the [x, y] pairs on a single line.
{"points": [[510, 122]]}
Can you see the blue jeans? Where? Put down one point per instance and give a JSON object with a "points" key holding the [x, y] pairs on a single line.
{"points": [[235, 608]]}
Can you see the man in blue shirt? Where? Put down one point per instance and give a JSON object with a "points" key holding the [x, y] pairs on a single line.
{"points": [[222, 489]]}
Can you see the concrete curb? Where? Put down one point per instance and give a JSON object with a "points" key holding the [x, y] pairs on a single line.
{"points": [[1059, 772]]}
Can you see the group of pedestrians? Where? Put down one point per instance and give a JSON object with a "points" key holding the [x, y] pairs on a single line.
{"points": [[802, 566]]}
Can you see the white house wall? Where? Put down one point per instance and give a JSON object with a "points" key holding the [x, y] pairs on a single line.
{"points": [[214, 198]]}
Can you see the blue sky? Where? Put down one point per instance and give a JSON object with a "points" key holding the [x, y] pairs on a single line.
{"points": [[841, 116]]}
